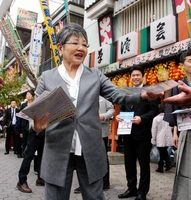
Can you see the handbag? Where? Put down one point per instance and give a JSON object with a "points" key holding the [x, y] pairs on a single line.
{"points": [[154, 155]]}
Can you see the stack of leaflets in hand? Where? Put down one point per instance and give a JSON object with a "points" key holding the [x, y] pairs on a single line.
{"points": [[183, 119], [124, 127], [157, 88], [57, 103]]}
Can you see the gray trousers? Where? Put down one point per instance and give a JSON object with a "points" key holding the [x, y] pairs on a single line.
{"points": [[91, 191], [182, 180]]}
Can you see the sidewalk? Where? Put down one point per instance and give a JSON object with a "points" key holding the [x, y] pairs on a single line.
{"points": [[161, 184]]}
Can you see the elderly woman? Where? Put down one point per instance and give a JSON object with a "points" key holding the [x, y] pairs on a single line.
{"points": [[76, 143]]}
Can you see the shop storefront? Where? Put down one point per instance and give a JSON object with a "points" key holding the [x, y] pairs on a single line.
{"points": [[156, 48]]}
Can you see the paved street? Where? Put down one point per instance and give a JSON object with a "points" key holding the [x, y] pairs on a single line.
{"points": [[160, 189]]}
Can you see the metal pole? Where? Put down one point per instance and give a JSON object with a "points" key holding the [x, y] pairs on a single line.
{"points": [[188, 17]]}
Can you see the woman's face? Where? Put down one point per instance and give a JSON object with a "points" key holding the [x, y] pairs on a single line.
{"points": [[29, 96], [74, 51]]}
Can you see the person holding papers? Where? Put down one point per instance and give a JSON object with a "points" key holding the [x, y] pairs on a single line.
{"points": [[76, 143], [137, 144], [180, 100], [32, 144]]}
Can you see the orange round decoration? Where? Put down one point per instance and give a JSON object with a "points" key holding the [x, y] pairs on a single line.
{"points": [[160, 72]]}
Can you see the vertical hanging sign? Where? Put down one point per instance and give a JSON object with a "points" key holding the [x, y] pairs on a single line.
{"points": [[13, 41], [35, 48], [105, 29], [52, 37]]}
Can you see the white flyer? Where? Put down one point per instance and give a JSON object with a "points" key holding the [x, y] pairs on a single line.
{"points": [[57, 103]]}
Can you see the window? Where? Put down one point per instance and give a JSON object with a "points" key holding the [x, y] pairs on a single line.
{"points": [[80, 2], [76, 19], [143, 13]]}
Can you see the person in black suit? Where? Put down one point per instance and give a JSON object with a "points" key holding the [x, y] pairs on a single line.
{"points": [[22, 125], [31, 143], [9, 123], [137, 145]]}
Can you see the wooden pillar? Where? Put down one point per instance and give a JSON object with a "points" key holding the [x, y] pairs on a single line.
{"points": [[114, 125]]}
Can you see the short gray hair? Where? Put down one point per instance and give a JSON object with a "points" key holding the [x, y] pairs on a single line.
{"points": [[68, 30]]}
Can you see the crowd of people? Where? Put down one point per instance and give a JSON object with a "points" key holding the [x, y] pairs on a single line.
{"points": [[80, 142]]}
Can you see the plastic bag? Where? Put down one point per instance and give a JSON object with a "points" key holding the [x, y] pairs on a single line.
{"points": [[154, 155]]}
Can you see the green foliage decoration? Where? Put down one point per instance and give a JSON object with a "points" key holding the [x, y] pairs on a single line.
{"points": [[12, 85]]}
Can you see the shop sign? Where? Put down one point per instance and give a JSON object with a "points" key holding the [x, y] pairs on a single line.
{"points": [[163, 32], [105, 29], [102, 56], [180, 6], [128, 45], [35, 48], [157, 54], [110, 68], [13, 41], [26, 19]]}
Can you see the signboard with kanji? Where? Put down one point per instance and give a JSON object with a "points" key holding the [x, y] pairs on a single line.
{"points": [[163, 32], [128, 45], [102, 56]]}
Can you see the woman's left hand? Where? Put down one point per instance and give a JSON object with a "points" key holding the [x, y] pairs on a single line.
{"points": [[40, 124]]}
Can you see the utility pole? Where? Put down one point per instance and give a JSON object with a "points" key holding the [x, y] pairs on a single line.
{"points": [[188, 17], [67, 11]]}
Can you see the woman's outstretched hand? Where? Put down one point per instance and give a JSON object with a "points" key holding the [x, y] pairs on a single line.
{"points": [[182, 99], [40, 124], [151, 96]]}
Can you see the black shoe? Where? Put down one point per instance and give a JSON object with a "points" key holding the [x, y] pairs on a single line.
{"points": [[141, 197], [40, 182], [15, 152], [106, 187], [159, 170], [77, 190], [168, 168], [127, 194], [19, 155], [6, 153]]}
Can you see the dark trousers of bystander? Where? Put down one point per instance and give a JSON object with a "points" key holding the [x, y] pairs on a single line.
{"points": [[106, 182], [10, 131], [137, 150], [34, 143], [164, 157], [18, 141]]}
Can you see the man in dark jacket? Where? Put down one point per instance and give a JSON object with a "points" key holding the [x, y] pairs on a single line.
{"points": [[137, 145], [34, 143], [9, 123]]}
